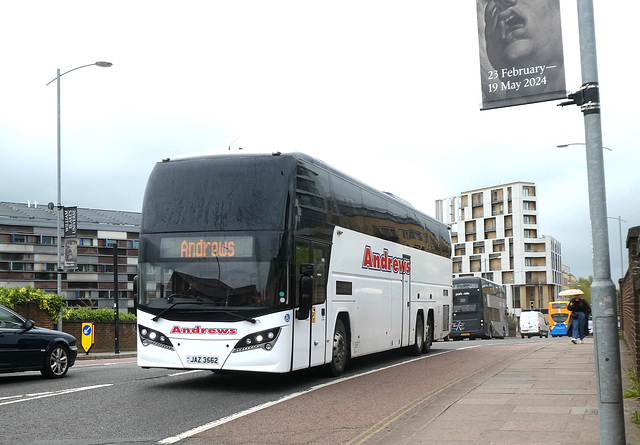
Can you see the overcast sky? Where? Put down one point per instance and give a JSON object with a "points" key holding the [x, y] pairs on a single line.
{"points": [[386, 91]]}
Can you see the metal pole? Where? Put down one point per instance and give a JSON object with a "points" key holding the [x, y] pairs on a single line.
{"points": [[59, 181], [59, 209], [621, 246], [603, 291], [116, 315]]}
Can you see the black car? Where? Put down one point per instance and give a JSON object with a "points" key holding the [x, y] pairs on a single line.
{"points": [[25, 347]]}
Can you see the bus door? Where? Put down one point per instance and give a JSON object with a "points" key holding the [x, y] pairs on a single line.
{"points": [[309, 333], [406, 306]]}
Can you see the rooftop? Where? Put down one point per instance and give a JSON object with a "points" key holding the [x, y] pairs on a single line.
{"points": [[21, 214]]}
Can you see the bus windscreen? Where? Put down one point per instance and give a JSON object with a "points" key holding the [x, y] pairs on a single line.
{"points": [[242, 194]]}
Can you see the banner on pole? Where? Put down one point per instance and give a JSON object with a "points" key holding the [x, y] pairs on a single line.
{"points": [[521, 56], [70, 222], [70, 253]]}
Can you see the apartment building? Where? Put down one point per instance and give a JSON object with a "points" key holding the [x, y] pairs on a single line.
{"points": [[495, 235], [569, 280], [28, 253]]}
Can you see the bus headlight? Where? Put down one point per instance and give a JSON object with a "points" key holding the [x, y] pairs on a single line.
{"points": [[258, 340], [153, 337]]}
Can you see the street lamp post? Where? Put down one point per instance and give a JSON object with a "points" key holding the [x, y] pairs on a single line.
{"points": [[59, 182], [577, 143], [603, 291], [620, 221], [610, 217]]}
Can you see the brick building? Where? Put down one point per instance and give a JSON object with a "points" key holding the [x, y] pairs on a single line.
{"points": [[28, 253]]}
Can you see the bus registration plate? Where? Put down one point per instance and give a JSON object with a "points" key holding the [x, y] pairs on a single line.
{"points": [[203, 359]]}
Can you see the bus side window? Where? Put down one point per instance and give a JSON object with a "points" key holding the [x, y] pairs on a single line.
{"points": [[303, 256], [318, 255], [320, 262]]}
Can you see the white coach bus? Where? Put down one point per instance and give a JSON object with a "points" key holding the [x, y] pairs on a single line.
{"points": [[274, 263]]}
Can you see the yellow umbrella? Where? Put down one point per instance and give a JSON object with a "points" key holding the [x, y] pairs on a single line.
{"points": [[570, 293]]}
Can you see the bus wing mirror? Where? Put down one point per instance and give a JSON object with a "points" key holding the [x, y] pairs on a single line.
{"points": [[306, 291], [306, 269]]}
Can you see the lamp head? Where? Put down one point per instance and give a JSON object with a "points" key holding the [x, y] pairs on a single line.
{"points": [[103, 64]]}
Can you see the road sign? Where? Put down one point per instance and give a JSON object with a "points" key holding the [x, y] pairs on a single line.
{"points": [[88, 336]]}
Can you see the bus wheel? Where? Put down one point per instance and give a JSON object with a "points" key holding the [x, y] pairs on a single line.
{"points": [[429, 337], [340, 352], [418, 346]]}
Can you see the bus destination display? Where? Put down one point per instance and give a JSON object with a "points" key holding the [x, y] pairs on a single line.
{"points": [[207, 247]]}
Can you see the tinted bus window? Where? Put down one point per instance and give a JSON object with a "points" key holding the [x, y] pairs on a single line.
{"points": [[256, 197]]}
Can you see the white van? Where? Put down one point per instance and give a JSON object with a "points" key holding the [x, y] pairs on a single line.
{"points": [[533, 323]]}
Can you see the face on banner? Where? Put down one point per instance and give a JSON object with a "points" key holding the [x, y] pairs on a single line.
{"points": [[521, 54], [70, 253]]}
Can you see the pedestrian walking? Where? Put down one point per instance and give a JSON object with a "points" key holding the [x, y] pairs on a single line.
{"points": [[580, 311]]}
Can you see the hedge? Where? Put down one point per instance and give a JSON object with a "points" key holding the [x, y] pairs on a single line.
{"points": [[17, 296], [88, 314], [52, 304]]}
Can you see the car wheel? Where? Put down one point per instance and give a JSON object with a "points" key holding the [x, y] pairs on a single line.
{"points": [[56, 363]]}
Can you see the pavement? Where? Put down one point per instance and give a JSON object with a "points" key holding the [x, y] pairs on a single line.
{"points": [[548, 396], [104, 355]]}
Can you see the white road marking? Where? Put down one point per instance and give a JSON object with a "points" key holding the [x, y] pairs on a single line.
{"points": [[215, 423], [29, 397], [185, 372]]}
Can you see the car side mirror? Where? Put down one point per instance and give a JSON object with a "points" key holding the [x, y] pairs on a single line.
{"points": [[28, 325]]}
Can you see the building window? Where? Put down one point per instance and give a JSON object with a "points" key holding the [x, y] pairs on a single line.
{"points": [[50, 267], [21, 266], [86, 241], [50, 240], [19, 238]]}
